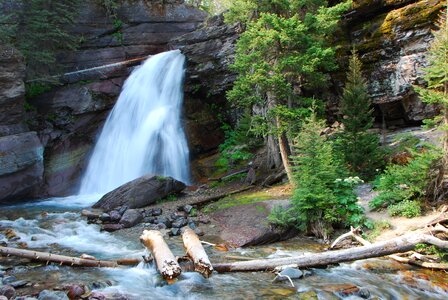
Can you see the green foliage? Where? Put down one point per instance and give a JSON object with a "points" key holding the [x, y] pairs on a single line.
{"points": [[41, 32], [436, 73], [238, 144], [377, 228], [283, 52], [237, 200], [432, 250], [321, 198], [359, 147], [405, 182], [406, 208], [36, 89], [213, 7]]}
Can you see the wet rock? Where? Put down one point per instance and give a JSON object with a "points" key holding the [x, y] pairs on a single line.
{"points": [[9, 279], [343, 289], [192, 225], [187, 208], [291, 273], [3, 297], [140, 192], [309, 295], [105, 217], [174, 231], [52, 295], [115, 216], [204, 220], [90, 214], [199, 231], [122, 209], [163, 220], [161, 226], [151, 220], [156, 212], [18, 283], [8, 291], [112, 227], [75, 291], [364, 293], [97, 296], [247, 225], [131, 218], [178, 223]]}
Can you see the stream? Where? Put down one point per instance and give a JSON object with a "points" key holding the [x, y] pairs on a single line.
{"points": [[56, 225]]}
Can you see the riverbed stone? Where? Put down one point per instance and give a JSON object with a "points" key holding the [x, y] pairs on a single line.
{"points": [[248, 225], [291, 273], [163, 220], [112, 227], [180, 222], [8, 291], [52, 295], [140, 192], [131, 218], [175, 231], [3, 297], [115, 216]]}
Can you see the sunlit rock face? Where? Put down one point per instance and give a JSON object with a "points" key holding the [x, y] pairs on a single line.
{"points": [[391, 38], [21, 153]]}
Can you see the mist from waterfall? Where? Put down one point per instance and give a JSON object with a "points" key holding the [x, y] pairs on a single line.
{"points": [[143, 133]]}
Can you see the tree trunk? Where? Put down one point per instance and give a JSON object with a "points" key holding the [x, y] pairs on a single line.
{"points": [[65, 260], [284, 152], [165, 260], [397, 245], [197, 253]]}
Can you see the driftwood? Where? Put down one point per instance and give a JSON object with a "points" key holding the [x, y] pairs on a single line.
{"points": [[396, 245], [165, 260], [67, 260], [197, 253]]}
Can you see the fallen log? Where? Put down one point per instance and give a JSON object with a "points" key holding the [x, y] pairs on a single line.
{"points": [[197, 253], [66, 260], [164, 258], [396, 245]]}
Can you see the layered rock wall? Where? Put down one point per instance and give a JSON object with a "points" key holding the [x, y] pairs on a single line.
{"points": [[21, 153]]}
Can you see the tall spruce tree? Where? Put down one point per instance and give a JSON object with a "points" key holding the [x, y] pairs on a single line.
{"points": [[283, 51], [360, 148], [436, 74]]}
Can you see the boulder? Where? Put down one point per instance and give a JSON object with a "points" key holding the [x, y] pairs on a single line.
{"points": [[131, 218], [247, 225], [140, 192]]}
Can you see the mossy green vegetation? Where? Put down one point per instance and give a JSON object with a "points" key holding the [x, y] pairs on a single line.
{"points": [[237, 200], [408, 182], [377, 228], [406, 208]]}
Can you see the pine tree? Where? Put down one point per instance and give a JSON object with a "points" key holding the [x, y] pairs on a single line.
{"points": [[283, 51], [360, 148], [315, 172], [436, 74]]}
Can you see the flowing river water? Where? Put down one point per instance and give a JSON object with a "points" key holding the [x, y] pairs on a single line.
{"points": [[56, 225]]}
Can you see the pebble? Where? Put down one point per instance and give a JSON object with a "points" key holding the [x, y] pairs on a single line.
{"points": [[291, 273], [8, 291], [174, 232], [75, 291], [18, 283], [52, 295], [179, 223], [105, 217], [156, 212], [187, 208], [163, 220], [8, 279], [115, 216]]}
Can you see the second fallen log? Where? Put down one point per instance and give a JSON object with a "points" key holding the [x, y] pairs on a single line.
{"points": [[197, 253], [164, 258]]}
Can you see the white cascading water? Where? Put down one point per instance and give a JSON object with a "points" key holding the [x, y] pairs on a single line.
{"points": [[143, 134]]}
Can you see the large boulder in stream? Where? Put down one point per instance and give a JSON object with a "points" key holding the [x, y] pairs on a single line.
{"points": [[248, 225], [140, 192]]}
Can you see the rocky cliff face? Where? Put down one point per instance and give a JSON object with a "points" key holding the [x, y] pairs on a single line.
{"points": [[69, 117], [21, 160], [391, 37]]}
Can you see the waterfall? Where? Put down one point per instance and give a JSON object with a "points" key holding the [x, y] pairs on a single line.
{"points": [[143, 133]]}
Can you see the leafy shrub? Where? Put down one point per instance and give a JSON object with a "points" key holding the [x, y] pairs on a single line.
{"points": [[405, 182], [377, 228], [406, 208]]}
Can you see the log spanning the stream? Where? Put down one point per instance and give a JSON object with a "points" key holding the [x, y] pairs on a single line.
{"points": [[98, 72], [396, 245], [166, 262], [66, 260], [196, 252]]}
